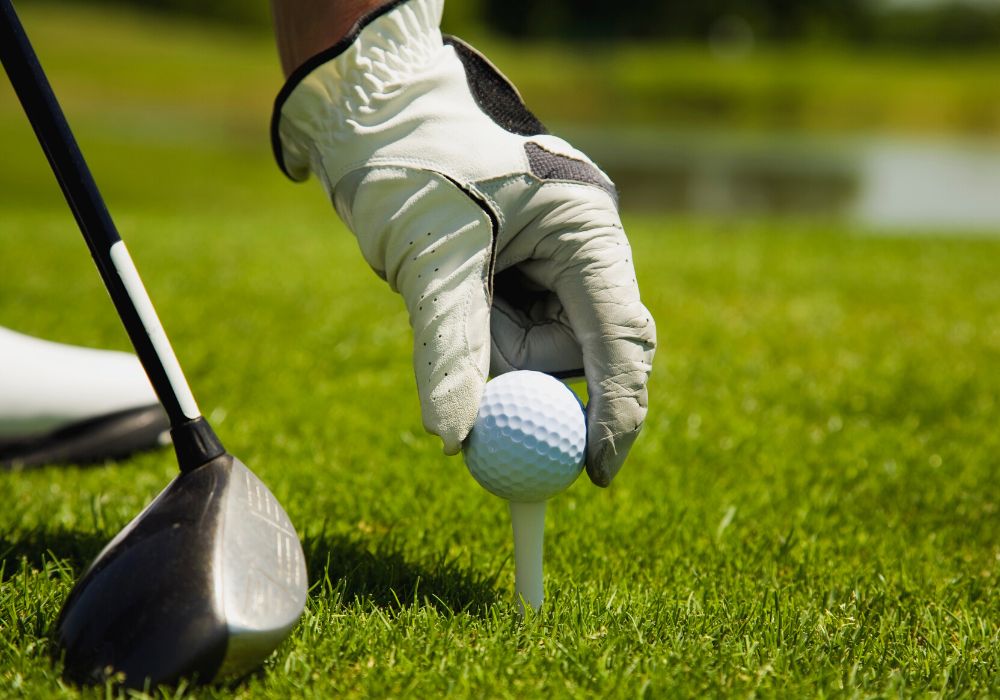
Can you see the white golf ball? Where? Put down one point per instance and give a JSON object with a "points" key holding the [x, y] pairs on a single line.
{"points": [[529, 439]]}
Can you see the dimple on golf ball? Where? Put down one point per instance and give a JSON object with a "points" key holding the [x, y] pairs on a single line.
{"points": [[530, 438]]}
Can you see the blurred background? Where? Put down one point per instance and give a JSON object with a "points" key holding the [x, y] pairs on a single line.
{"points": [[883, 113]]}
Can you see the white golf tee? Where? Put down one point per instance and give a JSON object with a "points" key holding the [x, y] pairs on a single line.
{"points": [[528, 522]]}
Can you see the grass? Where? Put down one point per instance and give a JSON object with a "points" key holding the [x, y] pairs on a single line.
{"points": [[811, 511]]}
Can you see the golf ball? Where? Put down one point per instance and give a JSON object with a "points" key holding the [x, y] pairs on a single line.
{"points": [[529, 439]]}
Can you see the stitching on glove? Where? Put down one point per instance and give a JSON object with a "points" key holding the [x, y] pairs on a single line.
{"points": [[493, 93], [547, 165], [494, 230]]}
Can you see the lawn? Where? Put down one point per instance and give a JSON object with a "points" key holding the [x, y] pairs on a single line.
{"points": [[812, 509]]}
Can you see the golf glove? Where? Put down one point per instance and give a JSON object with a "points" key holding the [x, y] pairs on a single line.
{"points": [[504, 241]]}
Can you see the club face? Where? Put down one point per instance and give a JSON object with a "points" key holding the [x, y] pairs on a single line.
{"points": [[203, 584], [262, 574]]}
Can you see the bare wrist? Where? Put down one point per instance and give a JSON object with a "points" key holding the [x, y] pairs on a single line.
{"points": [[303, 28]]}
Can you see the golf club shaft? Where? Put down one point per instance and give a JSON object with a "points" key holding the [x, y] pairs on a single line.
{"points": [[193, 438]]}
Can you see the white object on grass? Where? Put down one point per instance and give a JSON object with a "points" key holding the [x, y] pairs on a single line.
{"points": [[527, 445], [528, 523], [529, 438], [45, 386]]}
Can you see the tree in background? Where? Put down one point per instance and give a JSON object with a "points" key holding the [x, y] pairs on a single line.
{"points": [[952, 24], [955, 23], [782, 20]]}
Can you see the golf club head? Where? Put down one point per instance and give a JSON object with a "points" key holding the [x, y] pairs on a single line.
{"points": [[203, 584]]}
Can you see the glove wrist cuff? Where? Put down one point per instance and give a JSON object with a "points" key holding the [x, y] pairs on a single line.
{"points": [[351, 78]]}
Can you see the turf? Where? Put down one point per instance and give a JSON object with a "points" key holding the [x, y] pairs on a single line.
{"points": [[811, 511]]}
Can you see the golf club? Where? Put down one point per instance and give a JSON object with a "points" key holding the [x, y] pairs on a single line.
{"points": [[210, 577]]}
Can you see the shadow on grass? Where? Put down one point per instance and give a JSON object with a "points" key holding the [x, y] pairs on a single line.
{"points": [[40, 547], [377, 570]]}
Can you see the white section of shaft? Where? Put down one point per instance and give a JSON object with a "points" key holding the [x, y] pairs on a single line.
{"points": [[154, 329], [528, 522]]}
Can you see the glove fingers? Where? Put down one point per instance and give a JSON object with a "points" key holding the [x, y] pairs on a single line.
{"points": [[593, 275], [539, 339]]}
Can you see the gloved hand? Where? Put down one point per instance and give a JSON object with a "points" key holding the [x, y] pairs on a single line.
{"points": [[504, 241]]}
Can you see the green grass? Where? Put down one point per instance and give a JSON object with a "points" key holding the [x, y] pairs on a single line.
{"points": [[811, 511]]}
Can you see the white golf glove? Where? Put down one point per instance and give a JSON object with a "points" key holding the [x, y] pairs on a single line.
{"points": [[504, 241]]}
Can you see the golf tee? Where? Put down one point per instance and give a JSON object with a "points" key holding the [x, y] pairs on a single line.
{"points": [[528, 522]]}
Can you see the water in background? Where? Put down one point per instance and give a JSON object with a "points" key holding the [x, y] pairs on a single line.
{"points": [[889, 183]]}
